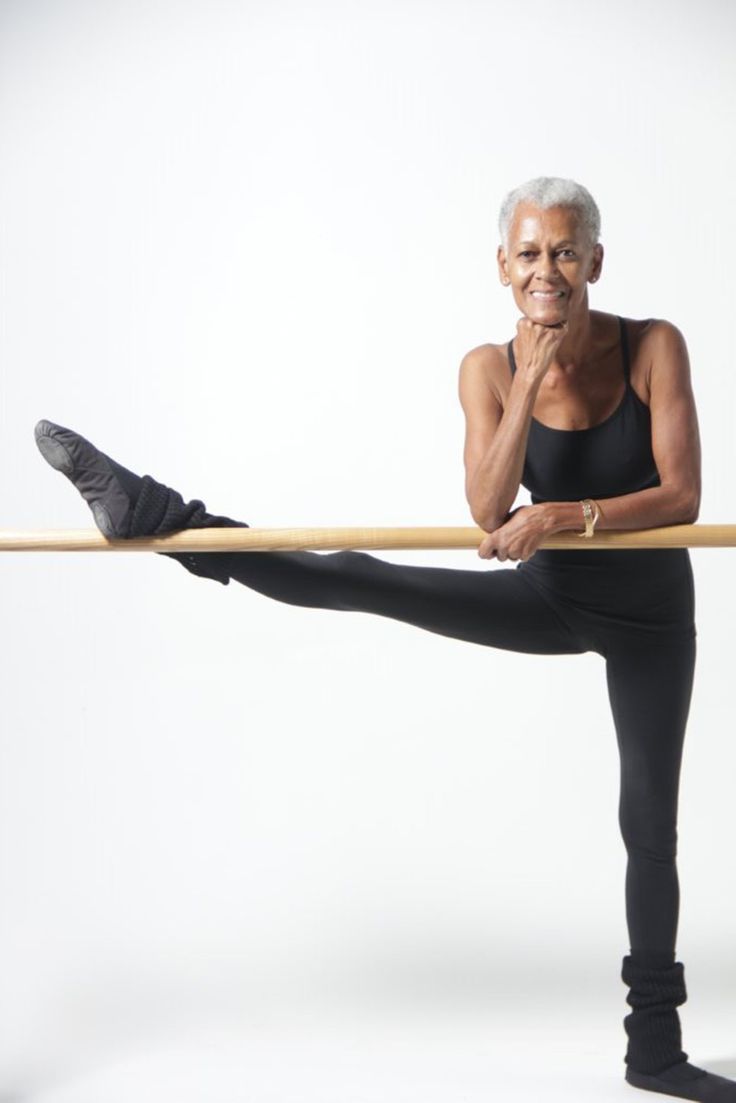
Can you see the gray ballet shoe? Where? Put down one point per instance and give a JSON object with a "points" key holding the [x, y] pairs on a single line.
{"points": [[705, 1088], [125, 505], [109, 489]]}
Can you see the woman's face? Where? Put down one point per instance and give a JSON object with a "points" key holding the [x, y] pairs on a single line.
{"points": [[549, 263]]}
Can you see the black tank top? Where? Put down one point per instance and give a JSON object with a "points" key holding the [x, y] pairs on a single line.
{"points": [[611, 458], [639, 595]]}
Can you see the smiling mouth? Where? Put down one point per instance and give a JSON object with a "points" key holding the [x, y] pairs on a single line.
{"points": [[548, 296]]}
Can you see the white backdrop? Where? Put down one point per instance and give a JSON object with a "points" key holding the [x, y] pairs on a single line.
{"points": [[243, 247]]}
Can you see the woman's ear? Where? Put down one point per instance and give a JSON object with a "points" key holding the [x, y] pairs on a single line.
{"points": [[503, 270], [597, 264]]}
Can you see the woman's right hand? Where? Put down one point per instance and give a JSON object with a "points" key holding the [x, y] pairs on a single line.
{"points": [[535, 347]]}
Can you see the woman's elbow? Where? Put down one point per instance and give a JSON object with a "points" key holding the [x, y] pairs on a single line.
{"points": [[487, 513], [693, 514], [478, 509], [690, 507], [485, 520]]}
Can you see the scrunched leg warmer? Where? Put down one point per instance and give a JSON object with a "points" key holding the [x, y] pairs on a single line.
{"points": [[655, 1060], [158, 509], [653, 1027]]}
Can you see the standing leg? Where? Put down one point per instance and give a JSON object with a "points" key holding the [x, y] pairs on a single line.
{"points": [[650, 689]]}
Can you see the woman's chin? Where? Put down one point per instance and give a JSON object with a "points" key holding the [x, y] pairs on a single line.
{"points": [[544, 315], [547, 317]]}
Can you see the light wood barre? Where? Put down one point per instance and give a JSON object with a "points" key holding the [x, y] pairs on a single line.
{"points": [[336, 539]]}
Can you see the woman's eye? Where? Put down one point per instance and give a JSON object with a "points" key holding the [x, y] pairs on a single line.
{"points": [[526, 253]]}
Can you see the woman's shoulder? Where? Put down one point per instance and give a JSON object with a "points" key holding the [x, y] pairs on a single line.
{"points": [[657, 351], [653, 338], [484, 355], [651, 330], [485, 369], [651, 342]]}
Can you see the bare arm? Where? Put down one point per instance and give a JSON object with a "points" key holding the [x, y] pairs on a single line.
{"points": [[496, 433]]}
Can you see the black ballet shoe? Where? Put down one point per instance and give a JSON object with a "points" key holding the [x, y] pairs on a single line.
{"points": [[110, 490], [685, 1081], [126, 505]]}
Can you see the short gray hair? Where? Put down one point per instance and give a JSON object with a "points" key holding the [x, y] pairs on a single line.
{"points": [[551, 191]]}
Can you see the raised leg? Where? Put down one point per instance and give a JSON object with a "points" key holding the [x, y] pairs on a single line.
{"points": [[495, 608]]}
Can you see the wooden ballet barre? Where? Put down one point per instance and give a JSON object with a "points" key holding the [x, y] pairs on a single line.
{"points": [[337, 539]]}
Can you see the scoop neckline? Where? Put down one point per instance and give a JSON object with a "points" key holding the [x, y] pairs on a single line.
{"points": [[599, 424], [589, 428]]}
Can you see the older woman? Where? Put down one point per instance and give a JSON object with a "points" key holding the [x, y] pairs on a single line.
{"points": [[594, 414]]}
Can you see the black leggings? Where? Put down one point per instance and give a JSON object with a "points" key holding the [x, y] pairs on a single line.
{"points": [[635, 612]]}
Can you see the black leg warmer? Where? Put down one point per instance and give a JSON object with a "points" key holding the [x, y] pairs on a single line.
{"points": [[158, 509], [653, 1027], [655, 1060], [125, 504]]}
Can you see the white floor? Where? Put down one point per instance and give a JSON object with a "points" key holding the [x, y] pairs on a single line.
{"points": [[345, 1053]]}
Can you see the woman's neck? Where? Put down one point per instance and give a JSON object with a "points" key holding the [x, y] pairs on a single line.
{"points": [[582, 342]]}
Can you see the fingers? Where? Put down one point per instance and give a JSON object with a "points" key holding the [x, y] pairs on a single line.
{"points": [[538, 344], [528, 325], [502, 557], [534, 335], [499, 551], [517, 539]]}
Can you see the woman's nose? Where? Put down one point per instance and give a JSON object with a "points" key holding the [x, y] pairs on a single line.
{"points": [[547, 266]]}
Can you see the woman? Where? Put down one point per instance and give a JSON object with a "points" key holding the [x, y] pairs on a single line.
{"points": [[594, 414]]}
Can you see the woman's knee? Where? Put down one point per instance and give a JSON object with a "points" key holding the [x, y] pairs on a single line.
{"points": [[648, 824]]}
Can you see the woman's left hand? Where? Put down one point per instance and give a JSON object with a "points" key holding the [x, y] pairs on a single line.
{"points": [[519, 537]]}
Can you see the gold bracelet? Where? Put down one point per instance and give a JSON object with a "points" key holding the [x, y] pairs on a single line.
{"points": [[591, 513]]}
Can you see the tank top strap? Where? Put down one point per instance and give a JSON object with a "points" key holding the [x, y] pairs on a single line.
{"points": [[625, 352]]}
